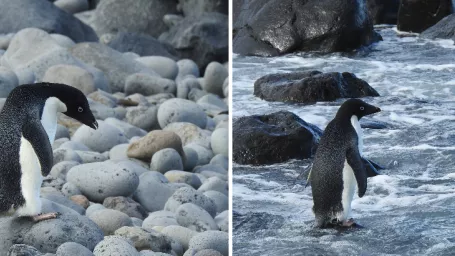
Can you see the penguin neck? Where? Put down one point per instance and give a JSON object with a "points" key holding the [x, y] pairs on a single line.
{"points": [[356, 125], [51, 108]]}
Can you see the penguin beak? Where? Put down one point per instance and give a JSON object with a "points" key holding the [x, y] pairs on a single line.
{"points": [[94, 125]]}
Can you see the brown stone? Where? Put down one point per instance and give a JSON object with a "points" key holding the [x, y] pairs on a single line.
{"points": [[81, 200], [153, 142]]}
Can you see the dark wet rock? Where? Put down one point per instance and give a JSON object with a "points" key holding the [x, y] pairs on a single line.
{"points": [[416, 16], [383, 11], [311, 87], [203, 39], [46, 16], [444, 29], [374, 124], [142, 44], [198, 7], [140, 16], [277, 27], [273, 138]]}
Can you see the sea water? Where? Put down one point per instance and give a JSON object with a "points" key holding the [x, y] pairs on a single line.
{"points": [[410, 208]]}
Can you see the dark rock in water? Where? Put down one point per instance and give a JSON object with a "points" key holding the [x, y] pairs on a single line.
{"points": [[142, 44], [23, 250], [198, 7], [311, 87], [444, 29], [416, 16], [19, 14], [383, 11], [47, 236], [202, 39], [140, 16], [373, 124], [273, 138], [276, 27], [237, 6]]}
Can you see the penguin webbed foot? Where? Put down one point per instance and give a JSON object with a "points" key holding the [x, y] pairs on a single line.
{"points": [[46, 216], [346, 224]]}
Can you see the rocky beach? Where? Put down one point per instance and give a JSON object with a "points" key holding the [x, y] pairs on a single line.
{"points": [[153, 178]]}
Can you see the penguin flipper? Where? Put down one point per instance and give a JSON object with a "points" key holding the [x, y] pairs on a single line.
{"points": [[34, 132], [370, 168], [355, 162], [376, 165]]}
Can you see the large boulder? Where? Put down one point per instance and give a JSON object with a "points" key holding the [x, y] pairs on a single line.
{"points": [[383, 11], [76, 77], [113, 63], [19, 14], [311, 87], [33, 51], [140, 16], [202, 38], [276, 27], [48, 235], [98, 181], [444, 29], [142, 44], [416, 16], [273, 138]]}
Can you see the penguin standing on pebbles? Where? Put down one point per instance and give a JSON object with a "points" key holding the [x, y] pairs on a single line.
{"points": [[338, 166], [28, 123]]}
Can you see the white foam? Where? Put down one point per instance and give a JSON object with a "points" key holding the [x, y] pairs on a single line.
{"points": [[395, 117]]}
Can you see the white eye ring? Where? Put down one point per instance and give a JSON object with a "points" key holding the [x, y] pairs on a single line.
{"points": [[362, 108], [80, 109]]}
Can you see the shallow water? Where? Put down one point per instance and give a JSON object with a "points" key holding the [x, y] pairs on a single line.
{"points": [[410, 209]]}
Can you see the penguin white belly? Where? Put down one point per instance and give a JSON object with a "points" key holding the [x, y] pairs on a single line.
{"points": [[31, 180], [355, 123], [349, 184], [49, 116]]}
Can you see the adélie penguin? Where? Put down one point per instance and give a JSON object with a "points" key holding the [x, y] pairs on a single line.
{"points": [[338, 165], [28, 123]]}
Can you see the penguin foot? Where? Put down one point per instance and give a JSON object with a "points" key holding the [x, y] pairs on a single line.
{"points": [[46, 216], [348, 223]]}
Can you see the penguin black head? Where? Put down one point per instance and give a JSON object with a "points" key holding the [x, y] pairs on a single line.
{"points": [[356, 107], [76, 103]]}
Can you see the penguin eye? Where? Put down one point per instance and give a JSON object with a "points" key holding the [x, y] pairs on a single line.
{"points": [[362, 108], [80, 109]]}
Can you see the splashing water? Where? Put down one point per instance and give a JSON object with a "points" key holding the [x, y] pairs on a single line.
{"points": [[406, 211]]}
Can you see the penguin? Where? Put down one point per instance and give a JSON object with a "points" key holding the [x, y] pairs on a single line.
{"points": [[28, 124], [338, 166]]}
